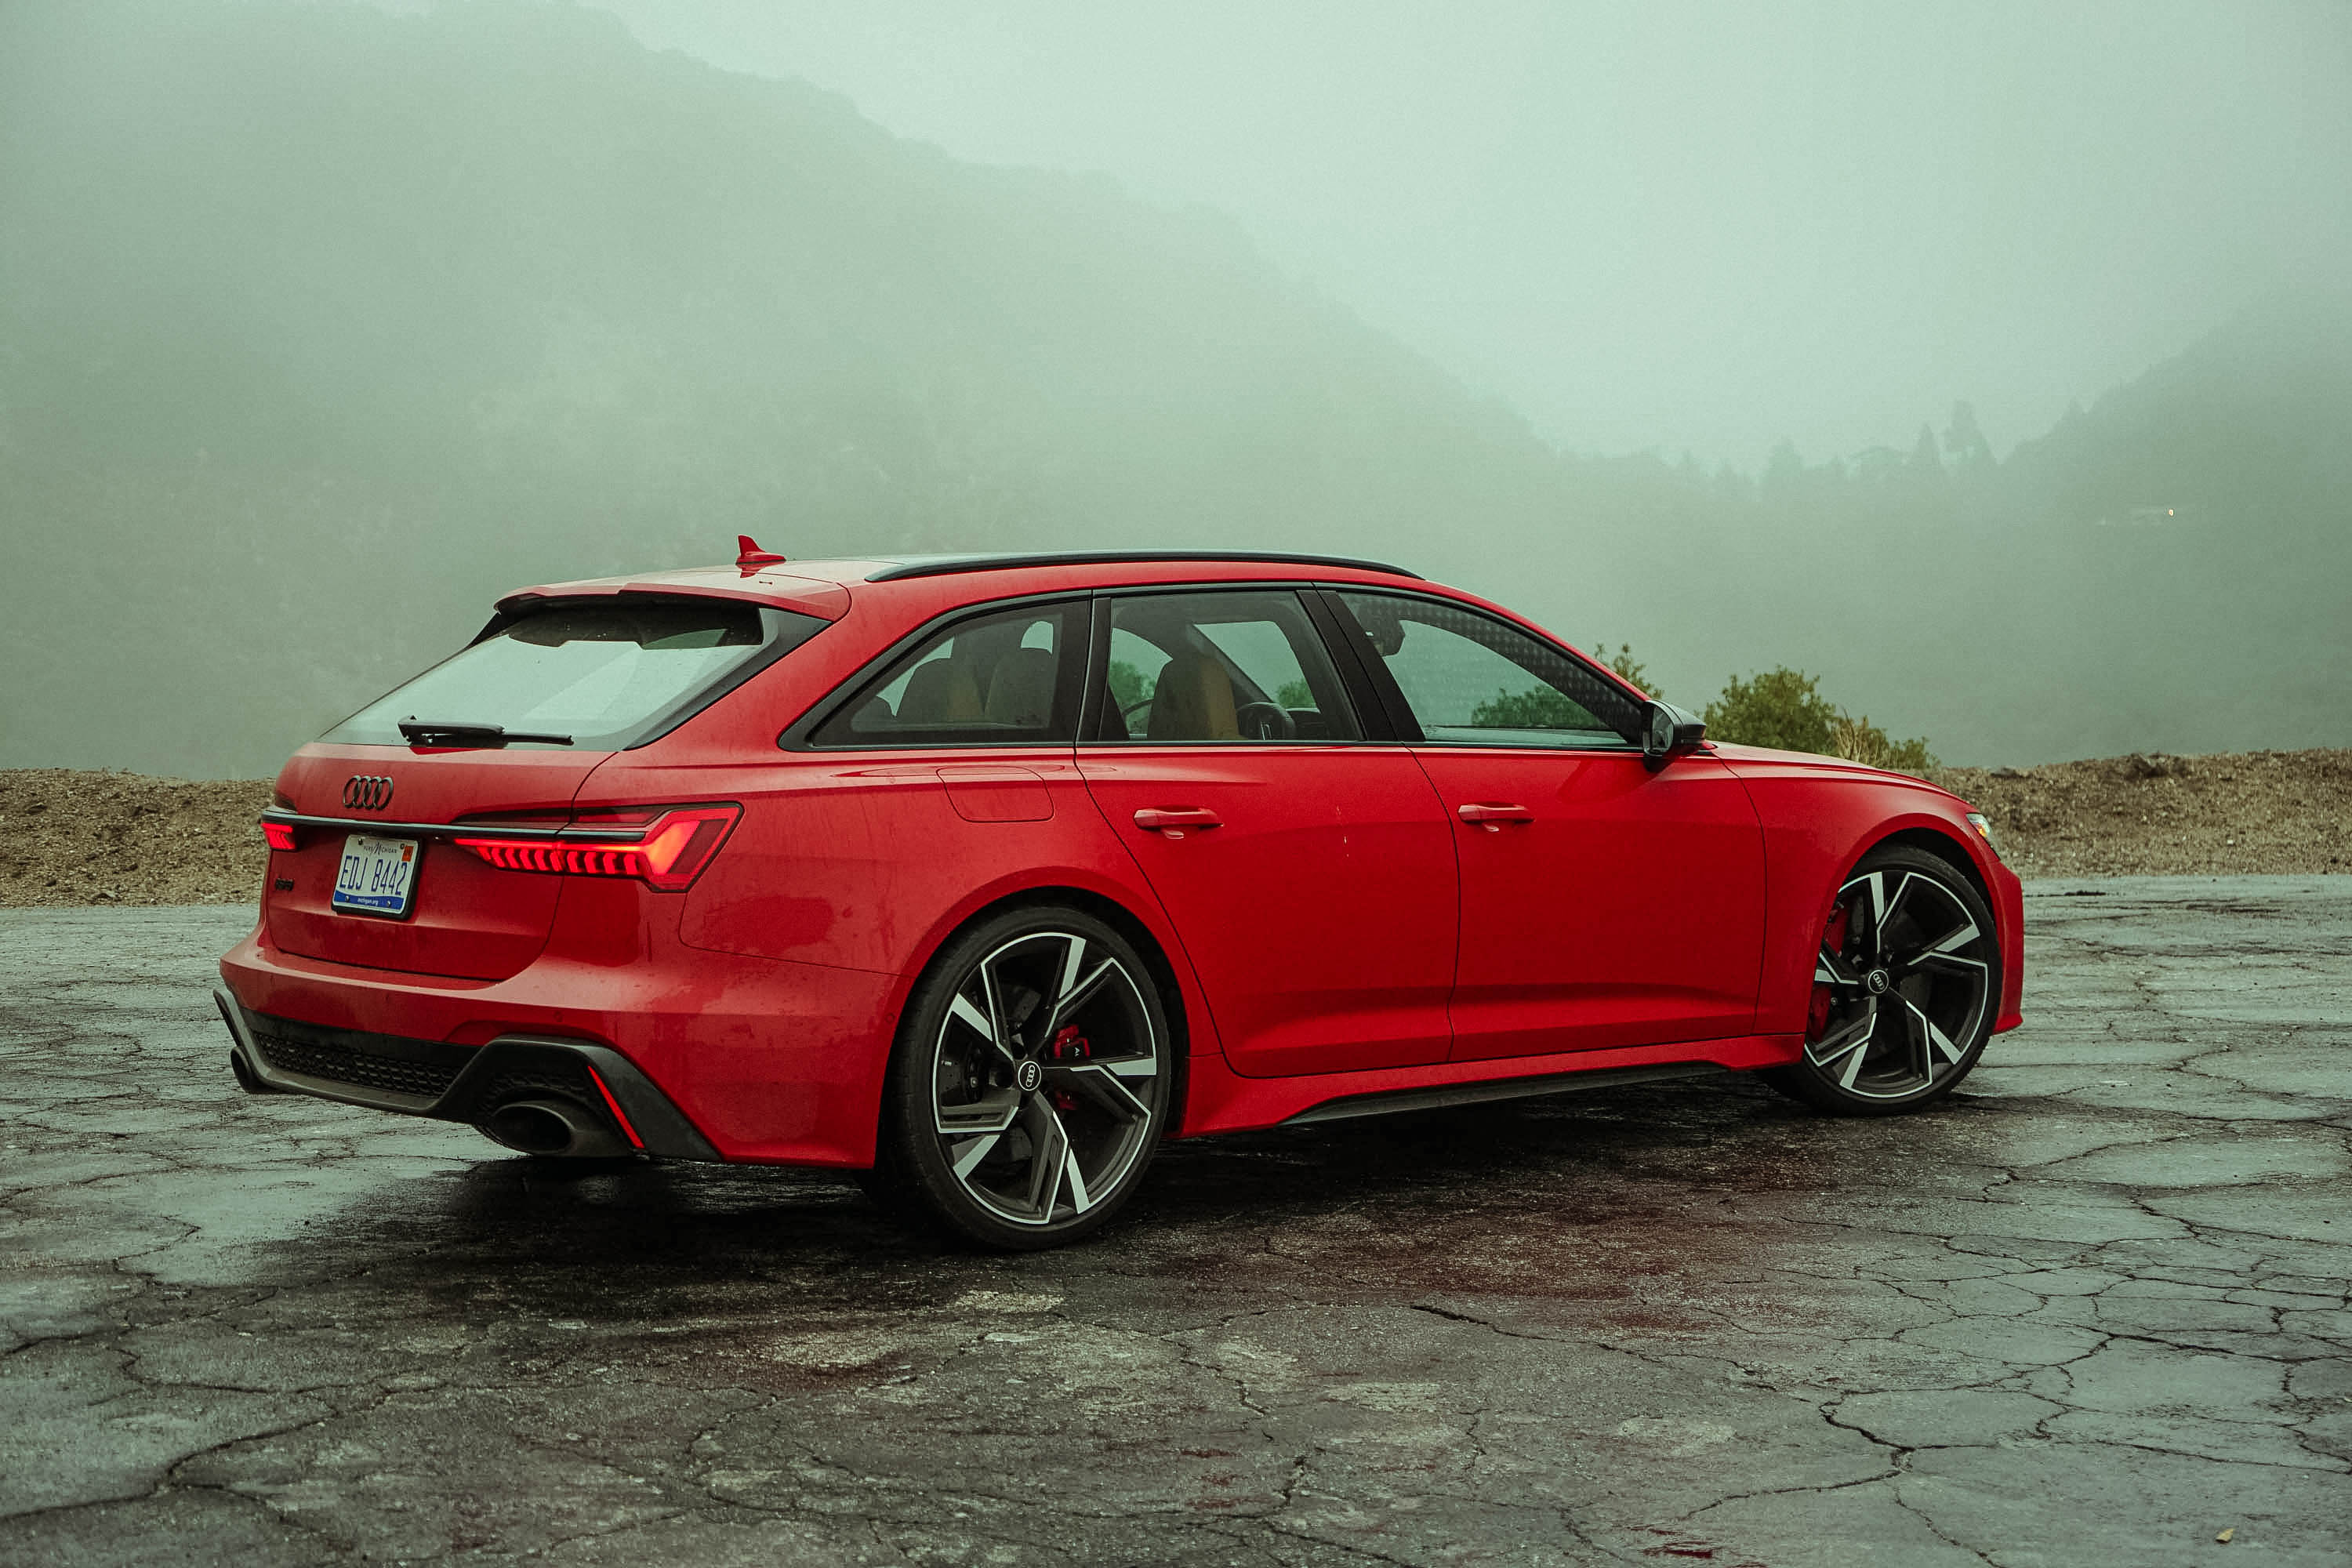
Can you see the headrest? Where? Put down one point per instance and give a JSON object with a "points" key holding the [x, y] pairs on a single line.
{"points": [[1193, 701], [1022, 691], [940, 692]]}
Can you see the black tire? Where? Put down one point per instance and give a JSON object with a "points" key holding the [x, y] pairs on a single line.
{"points": [[1906, 990], [1033, 1130]]}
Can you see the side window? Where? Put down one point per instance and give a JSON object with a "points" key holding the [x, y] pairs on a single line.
{"points": [[1474, 681], [1245, 666], [994, 679]]}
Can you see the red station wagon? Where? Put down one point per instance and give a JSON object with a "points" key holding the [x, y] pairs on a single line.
{"points": [[979, 876]]}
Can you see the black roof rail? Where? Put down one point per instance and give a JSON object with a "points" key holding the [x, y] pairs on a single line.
{"points": [[945, 565]]}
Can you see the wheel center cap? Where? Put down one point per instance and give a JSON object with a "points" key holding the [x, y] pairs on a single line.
{"points": [[1878, 980], [1029, 1075]]}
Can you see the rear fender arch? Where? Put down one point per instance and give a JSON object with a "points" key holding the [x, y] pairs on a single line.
{"points": [[1171, 974]]}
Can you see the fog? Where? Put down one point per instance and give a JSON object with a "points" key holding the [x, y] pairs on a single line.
{"points": [[1994, 365], [1701, 227]]}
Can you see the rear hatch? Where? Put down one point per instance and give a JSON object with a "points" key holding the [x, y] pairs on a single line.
{"points": [[465, 916], [501, 735]]}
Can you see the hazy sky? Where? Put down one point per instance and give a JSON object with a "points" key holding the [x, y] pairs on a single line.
{"points": [[1670, 225]]}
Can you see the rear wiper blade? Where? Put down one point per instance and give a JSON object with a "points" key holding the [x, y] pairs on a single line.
{"points": [[419, 733]]}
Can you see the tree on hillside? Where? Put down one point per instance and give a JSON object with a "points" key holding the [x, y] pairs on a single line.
{"points": [[1926, 462], [1966, 444]]}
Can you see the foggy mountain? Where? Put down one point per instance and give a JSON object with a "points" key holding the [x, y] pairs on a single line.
{"points": [[323, 328], [319, 328], [2170, 569]]}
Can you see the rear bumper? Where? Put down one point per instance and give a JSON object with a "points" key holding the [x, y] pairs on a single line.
{"points": [[459, 1083], [760, 1060]]}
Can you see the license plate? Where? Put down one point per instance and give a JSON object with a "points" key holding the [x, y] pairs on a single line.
{"points": [[376, 878]]}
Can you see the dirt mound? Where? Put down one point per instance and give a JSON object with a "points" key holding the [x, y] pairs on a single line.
{"points": [[2241, 812], [70, 838]]}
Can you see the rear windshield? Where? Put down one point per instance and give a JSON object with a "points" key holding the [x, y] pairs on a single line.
{"points": [[606, 674]]}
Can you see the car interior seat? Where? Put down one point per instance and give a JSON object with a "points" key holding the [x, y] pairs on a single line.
{"points": [[1021, 689], [940, 692], [1193, 701]]}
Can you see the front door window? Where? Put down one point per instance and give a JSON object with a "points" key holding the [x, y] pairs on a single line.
{"points": [[1471, 679]]}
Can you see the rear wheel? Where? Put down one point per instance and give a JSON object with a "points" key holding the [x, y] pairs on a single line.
{"points": [[1906, 982], [1029, 1083]]}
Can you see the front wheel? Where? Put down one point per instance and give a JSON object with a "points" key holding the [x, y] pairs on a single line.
{"points": [[1029, 1083], [1904, 985]]}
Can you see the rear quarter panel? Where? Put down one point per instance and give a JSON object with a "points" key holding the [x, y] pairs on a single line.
{"points": [[863, 860], [1819, 817]]}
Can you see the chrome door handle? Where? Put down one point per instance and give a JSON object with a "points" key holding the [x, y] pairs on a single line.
{"points": [[1173, 820], [1491, 816]]}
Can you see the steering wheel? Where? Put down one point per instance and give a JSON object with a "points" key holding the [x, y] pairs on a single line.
{"points": [[1265, 721]]}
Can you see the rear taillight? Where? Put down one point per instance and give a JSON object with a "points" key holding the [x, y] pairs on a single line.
{"points": [[279, 833], [667, 853]]}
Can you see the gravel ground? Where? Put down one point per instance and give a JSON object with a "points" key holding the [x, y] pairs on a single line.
{"points": [[2092, 1313], [75, 838], [2232, 814], [84, 839]]}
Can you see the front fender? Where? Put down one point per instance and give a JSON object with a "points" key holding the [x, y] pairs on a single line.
{"points": [[1821, 816]]}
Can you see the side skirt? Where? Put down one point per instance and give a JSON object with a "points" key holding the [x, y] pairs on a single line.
{"points": [[1219, 1100], [1391, 1101]]}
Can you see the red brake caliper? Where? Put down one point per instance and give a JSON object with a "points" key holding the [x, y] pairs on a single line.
{"points": [[1817, 1017], [1068, 1046]]}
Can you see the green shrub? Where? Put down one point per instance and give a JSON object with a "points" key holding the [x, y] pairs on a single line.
{"points": [[1628, 667], [1779, 707], [1784, 708], [1536, 707], [1860, 741], [1128, 685]]}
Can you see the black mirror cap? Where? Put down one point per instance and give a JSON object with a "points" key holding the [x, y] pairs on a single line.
{"points": [[1668, 732]]}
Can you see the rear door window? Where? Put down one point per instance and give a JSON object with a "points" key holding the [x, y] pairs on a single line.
{"points": [[1239, 665], [606, 674], [1003, 679]]}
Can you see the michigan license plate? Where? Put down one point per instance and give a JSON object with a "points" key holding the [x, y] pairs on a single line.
{"points": [[376, 878]]}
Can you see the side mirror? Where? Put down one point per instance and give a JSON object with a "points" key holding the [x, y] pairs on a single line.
{"points": [[1668, 732]]}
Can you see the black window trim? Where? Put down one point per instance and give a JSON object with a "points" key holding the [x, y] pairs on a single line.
{"points": [[1367, 680], [1371, 718], [1391, 695], [798, 736]]}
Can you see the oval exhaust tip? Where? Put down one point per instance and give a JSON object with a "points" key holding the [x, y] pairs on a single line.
{"points": [[552, 1127], [244, 1075], [531, 1127]]}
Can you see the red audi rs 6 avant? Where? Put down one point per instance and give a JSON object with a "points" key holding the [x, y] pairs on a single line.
{"points": [[980, 876]]}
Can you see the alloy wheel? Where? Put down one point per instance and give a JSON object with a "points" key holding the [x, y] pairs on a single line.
{"points": [[1047, 1078], [1901, 985]]}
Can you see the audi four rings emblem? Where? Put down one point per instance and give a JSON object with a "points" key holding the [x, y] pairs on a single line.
{"points": [[367, 791]]}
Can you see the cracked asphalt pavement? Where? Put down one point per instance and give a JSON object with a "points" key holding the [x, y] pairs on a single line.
{"points": [[2092, 1311]]}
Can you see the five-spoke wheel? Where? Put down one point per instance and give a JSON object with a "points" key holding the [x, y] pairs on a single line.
{"points": [[1030, 1080], [1905, 986]]}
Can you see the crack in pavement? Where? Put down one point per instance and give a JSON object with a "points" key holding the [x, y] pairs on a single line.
{"points": [[2097, 1308]]}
